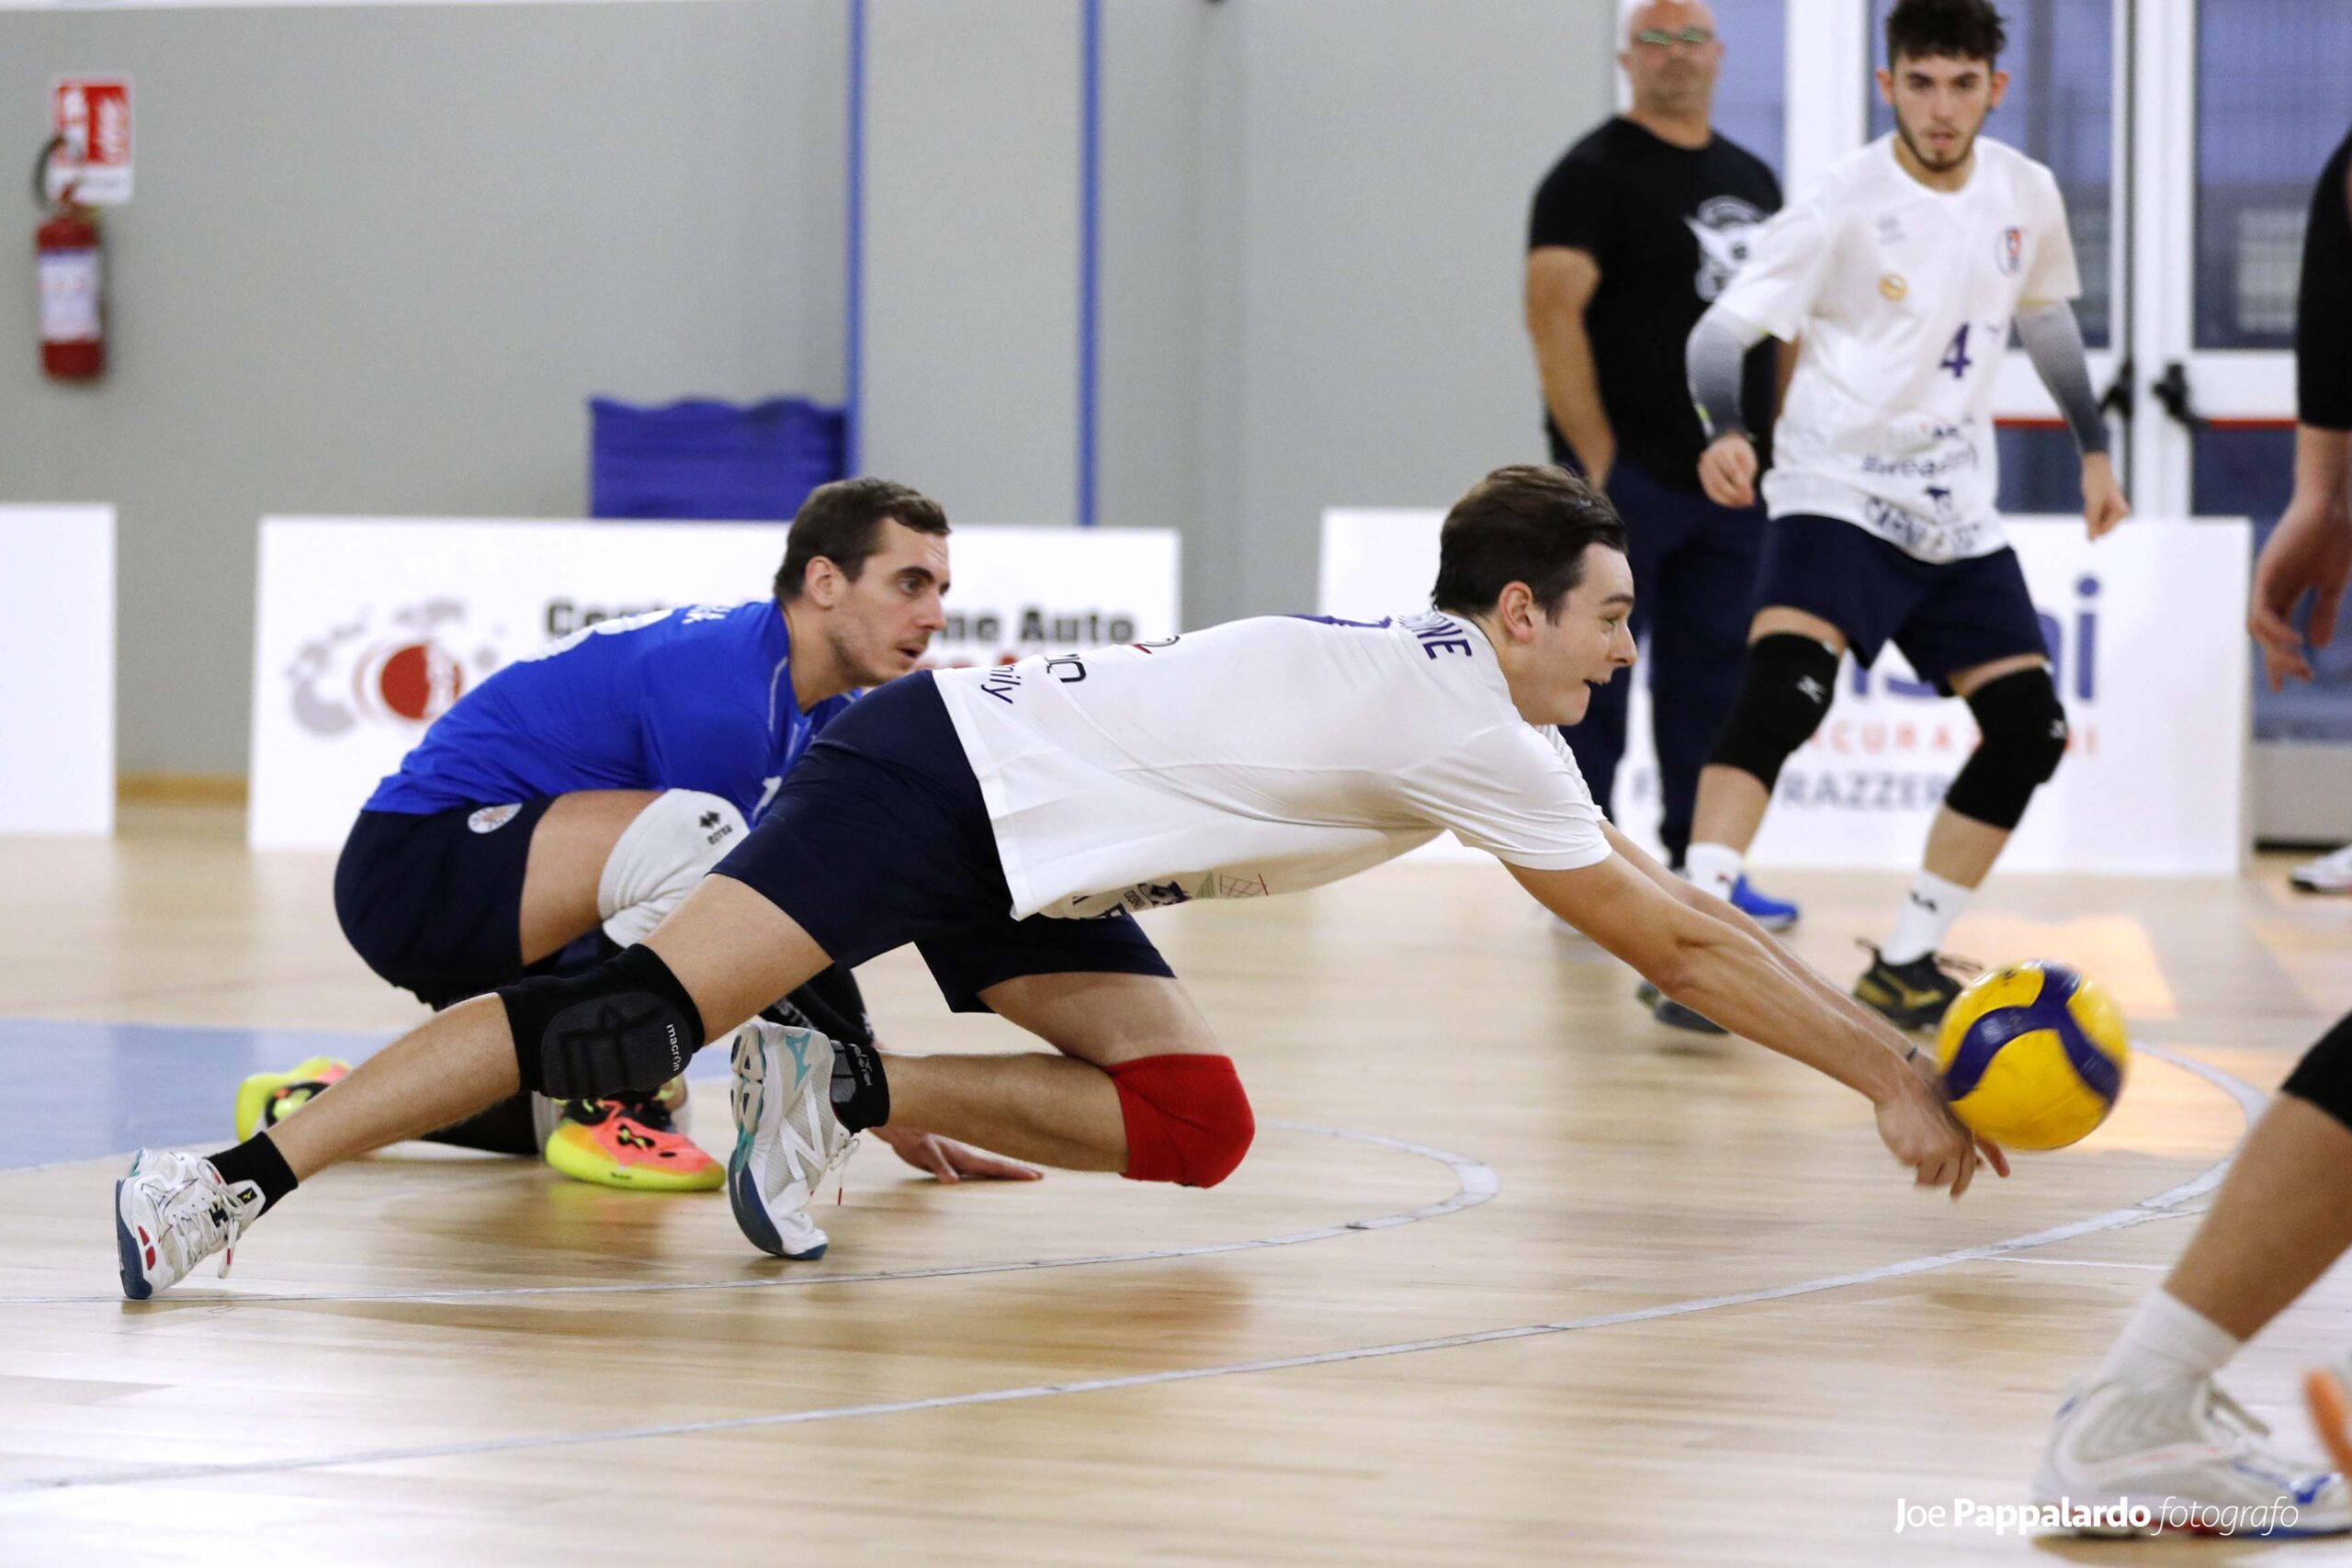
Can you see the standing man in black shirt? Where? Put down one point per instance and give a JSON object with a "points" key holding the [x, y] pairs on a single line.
{"points": [[1634, 234]]}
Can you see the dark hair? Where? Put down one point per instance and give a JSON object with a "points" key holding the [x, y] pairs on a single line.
{"points": [[1953, 29], [842, 521], [1525, 524]]}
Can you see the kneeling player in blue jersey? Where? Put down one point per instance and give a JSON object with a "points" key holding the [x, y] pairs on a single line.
{"points": [[562, 808]]}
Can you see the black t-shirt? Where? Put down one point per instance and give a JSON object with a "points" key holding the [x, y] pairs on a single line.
{"points": [[2323, 306], [1669, 225]]}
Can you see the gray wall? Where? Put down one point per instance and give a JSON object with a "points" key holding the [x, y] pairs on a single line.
{"points": [[971, 253], [377, 260], [1312, 215], [380, 256], [1387, 150], [1311, 266]]}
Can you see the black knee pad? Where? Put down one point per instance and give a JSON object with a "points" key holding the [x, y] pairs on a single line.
{"points": [[2325, 1075], [625, 1025], [1790, 680], [2025, 735]]}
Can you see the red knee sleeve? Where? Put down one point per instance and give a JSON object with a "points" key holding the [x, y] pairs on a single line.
{"points": [[1188, 1121]]}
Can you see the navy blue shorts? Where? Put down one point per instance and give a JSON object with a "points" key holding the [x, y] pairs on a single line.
{"points": [[433, 901], [879, 836], [1943, 616]]}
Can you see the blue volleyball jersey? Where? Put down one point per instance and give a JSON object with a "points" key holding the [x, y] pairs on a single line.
{"points": [[693, 698]]}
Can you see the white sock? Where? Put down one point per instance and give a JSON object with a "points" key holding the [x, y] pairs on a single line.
{"points": [[1929, 911], [1713, 868], [2164, 1340]]}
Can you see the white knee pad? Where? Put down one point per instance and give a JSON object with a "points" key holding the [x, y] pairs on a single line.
{"points": [[660, 856]]}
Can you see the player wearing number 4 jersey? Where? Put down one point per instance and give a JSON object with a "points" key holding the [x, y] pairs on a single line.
{"points": [[1900, 276], [1010, 821]]}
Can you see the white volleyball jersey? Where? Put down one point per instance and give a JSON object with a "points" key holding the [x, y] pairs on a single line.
{"points": [[1260, 757], [1901, 298]]}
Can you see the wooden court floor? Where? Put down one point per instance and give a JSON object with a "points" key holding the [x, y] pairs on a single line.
{"points": [[1513, 1276]]}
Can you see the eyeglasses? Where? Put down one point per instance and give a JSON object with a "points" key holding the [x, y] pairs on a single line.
{"points": [[1660, 38]]}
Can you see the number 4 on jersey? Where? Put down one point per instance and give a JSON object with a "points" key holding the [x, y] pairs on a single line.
{"points": [[1955, 357]]}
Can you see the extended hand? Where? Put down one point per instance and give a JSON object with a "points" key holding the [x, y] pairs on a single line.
{"points": [[1918, 1128], [1727, 471], [2309, 552], [950, 1161], [2103, 502]]}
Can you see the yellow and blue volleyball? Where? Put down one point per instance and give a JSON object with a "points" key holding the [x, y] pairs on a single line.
{"points": [[2033, 1055]]}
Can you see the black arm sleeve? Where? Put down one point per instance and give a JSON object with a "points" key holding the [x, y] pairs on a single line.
{"points": [[2053, 340], [2323, 305], [1572, 208], [1715, 358]]}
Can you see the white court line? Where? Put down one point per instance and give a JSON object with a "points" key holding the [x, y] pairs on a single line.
{"points": [[2249, 1098], [1475, 1183]]}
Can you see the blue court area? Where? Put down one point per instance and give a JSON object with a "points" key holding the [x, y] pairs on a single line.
{"points": [[124, 1086], [121, 1086]]}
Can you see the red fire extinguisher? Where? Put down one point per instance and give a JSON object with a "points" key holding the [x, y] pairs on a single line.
{"points": [[73, 309]]}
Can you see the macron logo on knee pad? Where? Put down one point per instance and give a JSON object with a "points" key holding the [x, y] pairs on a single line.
{"points": [[627, 1024]]}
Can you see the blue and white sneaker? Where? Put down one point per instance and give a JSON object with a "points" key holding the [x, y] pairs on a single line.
{"points": [[2188, 1454], [788, 1139], [1772, 914]]}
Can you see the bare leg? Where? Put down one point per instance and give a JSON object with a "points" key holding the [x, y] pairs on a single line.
{"points": [[437, 1074], [732, 950], [1064, 1110], [1731, 801], [1961, 849], [573, 840], [1730, 809], [2284, 1215]]}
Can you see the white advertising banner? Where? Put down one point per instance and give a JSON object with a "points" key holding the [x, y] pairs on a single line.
{"points": [[57, 644], [367, 629], [2146, 632]]}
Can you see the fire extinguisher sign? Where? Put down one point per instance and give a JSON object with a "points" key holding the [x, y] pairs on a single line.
{"points": [[91, 117]]}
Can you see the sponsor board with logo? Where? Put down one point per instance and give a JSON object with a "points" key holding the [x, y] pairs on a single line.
{"points": [[57, 646], [2147, 641], [367, 629]]}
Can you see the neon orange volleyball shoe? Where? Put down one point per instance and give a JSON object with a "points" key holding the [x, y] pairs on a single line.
{"points": [[633, 1141]]}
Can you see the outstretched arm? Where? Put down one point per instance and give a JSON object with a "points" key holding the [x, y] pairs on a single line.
{"points": [[1827, 995], [1724, 966]]}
